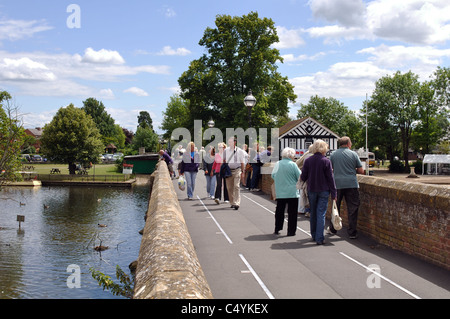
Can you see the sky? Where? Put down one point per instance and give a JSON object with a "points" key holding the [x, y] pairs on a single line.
{"points": [[130, 54]]}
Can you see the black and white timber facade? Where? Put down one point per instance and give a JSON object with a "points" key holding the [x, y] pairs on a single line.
{"points": [[300, 134]]}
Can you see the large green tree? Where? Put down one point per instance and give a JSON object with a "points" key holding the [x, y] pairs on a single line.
{"points": [[103, 121], [432, 124], [176, 115], [396, 101], [334, 115], [72, 136], [239, 57], [147, 138], [12, 137], [145, 120], [441, 86]]}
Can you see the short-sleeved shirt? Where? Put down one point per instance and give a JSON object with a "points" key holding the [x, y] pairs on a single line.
{"points": [[345, 162], [235, 160]]}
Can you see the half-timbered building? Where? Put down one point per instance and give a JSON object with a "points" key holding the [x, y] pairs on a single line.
{"points": [[300, 134]]}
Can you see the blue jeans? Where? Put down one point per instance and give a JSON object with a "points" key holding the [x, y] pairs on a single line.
{"points": [[318, 202], [210, 184], [190, 183]]}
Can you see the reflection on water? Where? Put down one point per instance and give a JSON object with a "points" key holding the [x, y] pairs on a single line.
{"points": [[60, 229]]}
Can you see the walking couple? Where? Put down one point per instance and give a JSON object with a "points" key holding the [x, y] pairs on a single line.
{"points": [[321, 183]]}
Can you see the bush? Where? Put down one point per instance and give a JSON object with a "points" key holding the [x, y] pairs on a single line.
{"points": [[418, 167], [396, 167]]}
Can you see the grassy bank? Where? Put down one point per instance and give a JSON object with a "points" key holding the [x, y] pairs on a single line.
{"points": [[98, 169]]}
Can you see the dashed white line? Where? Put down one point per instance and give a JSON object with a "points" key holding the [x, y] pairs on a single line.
{"points": [[381, 276], [218, 225], [260, 282]]}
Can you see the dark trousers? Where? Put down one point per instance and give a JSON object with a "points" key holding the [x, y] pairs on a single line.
{"points": [[351, 196], [292, 214], [256, 171], [221, 181]]}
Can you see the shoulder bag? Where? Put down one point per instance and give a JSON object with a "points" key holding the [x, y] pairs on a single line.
{"points": [[336, 220]]}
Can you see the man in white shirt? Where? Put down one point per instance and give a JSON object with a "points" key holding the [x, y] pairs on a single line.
{"points": [[235, 157]]}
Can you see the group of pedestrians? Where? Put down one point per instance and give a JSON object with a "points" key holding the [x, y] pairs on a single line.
{"points": [[303, 186], [317, 180], [220, 182]]}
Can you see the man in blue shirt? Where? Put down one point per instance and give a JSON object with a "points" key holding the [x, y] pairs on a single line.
{"points": [[346, 164]]}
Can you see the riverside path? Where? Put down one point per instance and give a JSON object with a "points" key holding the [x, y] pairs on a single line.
{"points": [[242, 259]]}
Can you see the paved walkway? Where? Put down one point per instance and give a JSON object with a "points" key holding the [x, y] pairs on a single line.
{"points": [[241, 258]]}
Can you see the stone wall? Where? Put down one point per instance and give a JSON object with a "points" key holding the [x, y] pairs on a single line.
{"points": [[167, 267], [411, 217]]}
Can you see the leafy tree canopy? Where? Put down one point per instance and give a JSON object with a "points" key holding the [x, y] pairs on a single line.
{"points": [[12, 137], [72, 136], [145, 120], [103, 121], [334, 115], [239, 57]]}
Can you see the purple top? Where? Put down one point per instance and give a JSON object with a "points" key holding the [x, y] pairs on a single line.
{"points": [[167, 158], [317, 170]]}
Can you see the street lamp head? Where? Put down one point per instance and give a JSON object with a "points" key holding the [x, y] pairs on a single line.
{"points": [[211, 123], [250, 100]]}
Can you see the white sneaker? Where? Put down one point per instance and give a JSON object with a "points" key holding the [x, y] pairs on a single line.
{"points": [[217, 201]]}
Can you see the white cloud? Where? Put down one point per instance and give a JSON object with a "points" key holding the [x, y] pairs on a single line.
{"points": [[19, 29], [38, 120], [168, 12], [422, 60], [47, 74], [102, 56], [334, 33], [399, 55], [288, 58], [346, 12], [167, 50], [289, 38], [127, 116], [411, 21], [341, 80], [25, 69], [107, 94], [136, 91]]}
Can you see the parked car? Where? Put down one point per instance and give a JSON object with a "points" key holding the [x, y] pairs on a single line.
{"points": [[36, 158]]}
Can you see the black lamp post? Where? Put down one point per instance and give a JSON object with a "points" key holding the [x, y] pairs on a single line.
{"points": [[250, 102]]}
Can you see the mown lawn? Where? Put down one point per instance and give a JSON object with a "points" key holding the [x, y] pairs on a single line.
{"points": [[98, 169]]}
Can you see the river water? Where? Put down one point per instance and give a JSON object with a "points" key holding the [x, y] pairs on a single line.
{"points": [[61, 229]]}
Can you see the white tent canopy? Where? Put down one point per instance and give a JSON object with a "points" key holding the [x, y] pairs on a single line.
{"points": [[435, 159]]}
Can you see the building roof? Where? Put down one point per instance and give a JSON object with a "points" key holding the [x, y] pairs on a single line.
{"points": [[436, 158], [36, 132], [306, 122]]}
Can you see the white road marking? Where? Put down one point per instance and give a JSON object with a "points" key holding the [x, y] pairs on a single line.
{"points": [[260, 282], [381, 276], [218, 225]]}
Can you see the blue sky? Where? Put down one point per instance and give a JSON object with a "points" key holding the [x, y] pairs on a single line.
{"points": [[130, 54]]}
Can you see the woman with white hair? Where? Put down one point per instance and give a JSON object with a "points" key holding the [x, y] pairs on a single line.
{"points": [[285, 175], [318, 173]]}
